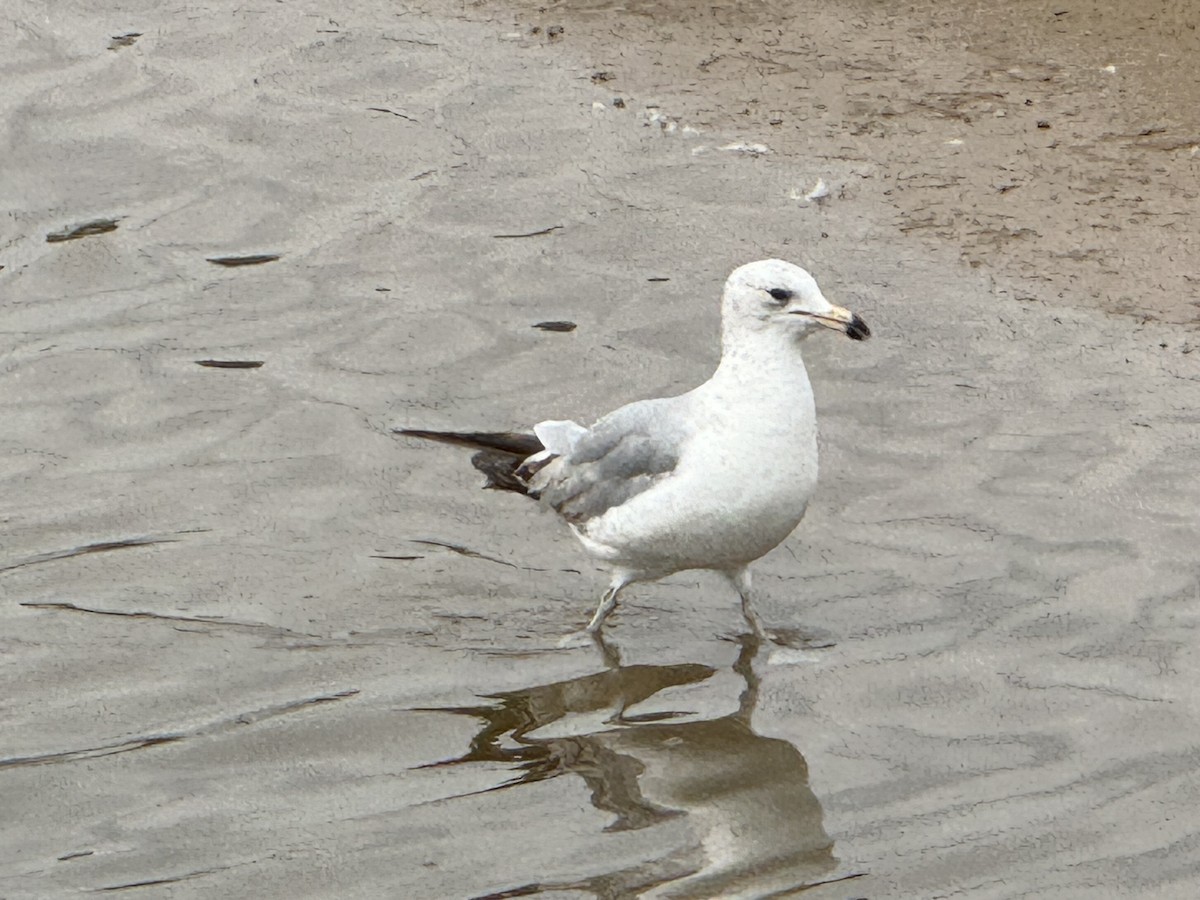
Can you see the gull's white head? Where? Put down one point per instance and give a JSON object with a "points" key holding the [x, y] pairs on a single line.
{"points": [[776, 296]]}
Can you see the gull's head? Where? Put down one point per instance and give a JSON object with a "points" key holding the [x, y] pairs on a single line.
{"points": [[773, 295]]}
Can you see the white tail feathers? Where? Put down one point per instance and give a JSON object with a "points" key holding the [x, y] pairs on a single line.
{"points": [[559, 437]]}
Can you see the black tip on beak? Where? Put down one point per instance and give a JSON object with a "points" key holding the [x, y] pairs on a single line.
{"points": [[857, 330]]}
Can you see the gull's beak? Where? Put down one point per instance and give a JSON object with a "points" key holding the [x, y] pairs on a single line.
{"points": [[842, 320]]}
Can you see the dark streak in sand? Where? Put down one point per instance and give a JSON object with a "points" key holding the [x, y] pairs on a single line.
{"points": [[399, 115], [230, 363], [151, 882], [100, 547], [562, 326], [219, 726], [42, 759], [256, 260], [87, 229], [168, 617], [468, 552], [526, 234]]}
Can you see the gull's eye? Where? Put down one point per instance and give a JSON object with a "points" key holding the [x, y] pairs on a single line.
{"points": [[780, 294]]}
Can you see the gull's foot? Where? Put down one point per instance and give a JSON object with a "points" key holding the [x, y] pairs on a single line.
{"points": [[800, 639], [788, 656], [609, 654], [577, 639], [790, 638]]}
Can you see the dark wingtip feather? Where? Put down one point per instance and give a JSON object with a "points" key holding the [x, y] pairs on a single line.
{"points": [[515, 443], [500, 456], [501, 471]]}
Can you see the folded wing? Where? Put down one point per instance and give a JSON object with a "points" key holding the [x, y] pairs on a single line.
{"points": [[625, 453]]}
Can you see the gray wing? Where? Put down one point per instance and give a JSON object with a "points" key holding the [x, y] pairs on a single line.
{"points": [[625, 453]]}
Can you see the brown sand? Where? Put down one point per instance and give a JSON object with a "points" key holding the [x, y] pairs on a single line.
{"points": [[994, 599]]}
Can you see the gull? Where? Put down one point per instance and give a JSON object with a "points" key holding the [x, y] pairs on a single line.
{"points": [[711, 479]]}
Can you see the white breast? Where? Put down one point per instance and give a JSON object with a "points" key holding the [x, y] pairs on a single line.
{"points": [[741, 486]]}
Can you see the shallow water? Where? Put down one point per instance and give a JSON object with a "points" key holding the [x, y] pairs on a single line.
{"points": [[255, 645], [748, 820]]}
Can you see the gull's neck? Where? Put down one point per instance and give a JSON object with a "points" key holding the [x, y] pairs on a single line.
{"points": [[754, 359], [760, 392]]}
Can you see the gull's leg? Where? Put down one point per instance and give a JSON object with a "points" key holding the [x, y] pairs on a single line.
{"points": [[610, 654], [740, 579], [607, 603], [591, 634]]}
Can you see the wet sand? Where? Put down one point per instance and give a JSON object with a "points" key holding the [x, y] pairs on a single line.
{"points": [[255, 645]]}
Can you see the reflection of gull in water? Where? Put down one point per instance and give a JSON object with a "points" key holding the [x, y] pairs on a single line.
{"points": [[751, 825], [711, 479]]}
